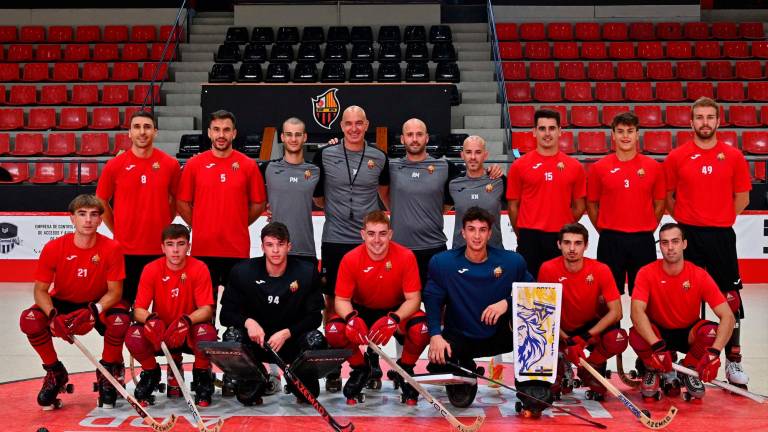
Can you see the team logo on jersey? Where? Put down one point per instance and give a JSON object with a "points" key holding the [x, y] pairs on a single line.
{"points": [[166, 279], [721, 156], [489, 188], [696, 156], [687, 285], [615, 170], [71, 257], [641, 172], [561, 278], [560, 166], [462, 270], [307, 174], [96, 259], [294, 286], [590, 279], [183, 276], [371, 164], [431, 169], [9, 237], [325, 108], [388, 265], [136, 332], [235, 166], [497, 272], [156, 166]]}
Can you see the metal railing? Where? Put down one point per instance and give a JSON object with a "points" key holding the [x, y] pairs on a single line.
{"points": [[175, 38], [499, 79]]}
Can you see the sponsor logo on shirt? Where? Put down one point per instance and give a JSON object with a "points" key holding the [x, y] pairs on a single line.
{"points": [[259, 282], [71, 257], [537, 165], [561, 278], [615, 170], [367, 269], [166, 278], [130, 167], [462, 270], [696, 156], [210, 165]]}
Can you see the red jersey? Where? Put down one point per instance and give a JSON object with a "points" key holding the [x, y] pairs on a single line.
{"points": [[174, 293], [674, 301], [221, 191], [580, 290], [140, 189], [545, 186], [625, 192], [378, 284], [80, 275], [704, 182]]}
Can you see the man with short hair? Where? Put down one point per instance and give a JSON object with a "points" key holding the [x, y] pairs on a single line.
{"points": [[665, 315], [179, 289], [86, 270], [142, 184], [545, 190], [625, 202], [708, 184]]}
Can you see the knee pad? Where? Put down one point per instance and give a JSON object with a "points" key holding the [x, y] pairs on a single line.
{"points": [[203, 332], [335, 332], [137, 345], [313, 340], [234, 334], [33, 322], [614, 341], [416, 330], [116, 322], [734, 300], [704, 333]]}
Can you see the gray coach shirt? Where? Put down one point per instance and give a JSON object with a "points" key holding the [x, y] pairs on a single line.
{"points": [[482, 192], [350, 182], [417, 193], [289, 192]]}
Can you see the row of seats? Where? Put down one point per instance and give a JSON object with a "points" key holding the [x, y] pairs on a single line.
{"points": [[69, 72], [333, 73], [52, 172], [73, 118], [87, 34], [61, 144], [670, 91], [651, 116], [81, 94], [82, 53], [619, 31], [633, 50], [632, 70], [338, 34]]}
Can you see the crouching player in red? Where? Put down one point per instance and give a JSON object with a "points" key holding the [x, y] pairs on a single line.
{"points": [[179, 289], [87, 272], [378, 286], [591, 309], [665, 315]]}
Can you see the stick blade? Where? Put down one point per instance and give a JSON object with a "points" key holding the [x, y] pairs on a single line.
{"points": [[661, 423], [168, 425], [476, 425], [216, 428]]}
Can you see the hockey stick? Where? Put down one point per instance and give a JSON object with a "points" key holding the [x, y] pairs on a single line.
{"points": [[501, 384], [425, 394], [187, 397], [154, 424], [642, 415], [722, 384], [625, 378], [289, 375]]}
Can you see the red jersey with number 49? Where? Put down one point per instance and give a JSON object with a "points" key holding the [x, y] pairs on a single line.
{"points": [[581, 290], [80, 275], [221, 191], [625, 192], [704, 182], [141, 189], [378, 284], [674, 301], [545, 186], [174, 293]]}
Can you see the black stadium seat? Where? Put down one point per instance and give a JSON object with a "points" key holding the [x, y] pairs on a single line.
{"points": [[440, 33], [313, 34], [447, 72], [389, 34], [255, 53], [281, 52], [389, 52], [250, 72], [415, 33], [416, 51], [362, 51], [305, 73], [278, 73], [221, 73], [389, 72], [334, 73], [361, 34], [361, 72], [227, 54], [263, 35], [237, 35], [289, 35], [335, 52], [443, 51], [309, 52], [417, 72], [338, 34]]}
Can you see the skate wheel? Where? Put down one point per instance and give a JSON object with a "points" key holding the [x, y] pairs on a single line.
{"points": [[351, 402], [687, 397], [657, 396], [518, 407], [633, 374], [144, 403], [203, 404], [374, 384], [161, 388], [69, 388], [576, 383]]}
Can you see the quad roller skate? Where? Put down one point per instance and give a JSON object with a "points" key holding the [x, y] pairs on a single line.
{"points": [[149, 382], [530, 408], [374, 381], [55, 382], [650, 387], [694, 388], [565, 381], [358, 378], [107, 392], [202, 382], [596, 391], [409, 395], [670, 384]]}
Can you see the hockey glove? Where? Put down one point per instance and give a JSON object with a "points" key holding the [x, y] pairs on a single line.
{"points": [[709, 365], [661, 359], [575, 349], [177, 332], [59, 327], [383, 329], [356, 329], [83, 320], [154, 330]]}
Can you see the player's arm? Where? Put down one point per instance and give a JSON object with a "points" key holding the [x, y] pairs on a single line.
{"points": [[410, 305], [593, 210], [140, 314], [670, 202], [577, 208], [641, 322], [108, 216], [113, 295], [319, 201], [513, 206], [255, 210], [384, 195], [42, 297], [725, 328], [740, 201], [185, 211], [343, 306], [658, 209], [203, 314], [613, 316]]}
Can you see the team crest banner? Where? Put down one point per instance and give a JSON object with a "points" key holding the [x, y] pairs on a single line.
{"points": [[536, 321], [325, 107]]}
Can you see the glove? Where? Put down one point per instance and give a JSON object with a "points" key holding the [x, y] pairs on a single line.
{"points": [[574, 352], [383, 329], [83, 320], [709, 365], [154, 330], [177, 332], [661, 359], [59, 326], [356, 329]]}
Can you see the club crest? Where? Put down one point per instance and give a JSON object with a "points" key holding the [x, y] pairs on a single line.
{"points": [[235, 166], [371, 164], [489, 188], [96, 259], [294, 286], [307, 174], [325, 108], [156, 166]]}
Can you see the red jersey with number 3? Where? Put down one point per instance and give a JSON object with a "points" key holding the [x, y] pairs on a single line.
{"points": [[173, 293], [80, 275], [545, 186], [581, 290], [674, 301], [221, 191], [625, 192], [378, 284], [704, 182], [141, 189]]}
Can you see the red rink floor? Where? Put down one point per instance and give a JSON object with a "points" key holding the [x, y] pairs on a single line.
{"points": [[382, 411]]}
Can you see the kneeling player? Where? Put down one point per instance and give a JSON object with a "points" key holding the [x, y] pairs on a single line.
{"points": [[378, 286], [87, 272], [277, 300], [179, 289], [591, 308], [665, 314]]}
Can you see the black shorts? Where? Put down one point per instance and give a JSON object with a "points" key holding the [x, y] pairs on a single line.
{"points": [[134, 265], [625, 253], [676, 339], [219, 268], [464, 349], [536, 247], [422, 260], [331, 255]]}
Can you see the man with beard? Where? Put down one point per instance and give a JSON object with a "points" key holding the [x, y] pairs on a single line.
{"points": [[708, 184]]}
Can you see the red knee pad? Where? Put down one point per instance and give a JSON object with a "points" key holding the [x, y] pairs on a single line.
{"points": [[116, 321], [416, 330], [33, 322], [203, 332], [335, 332], [139, 347], [614, 342], [734, 300]]}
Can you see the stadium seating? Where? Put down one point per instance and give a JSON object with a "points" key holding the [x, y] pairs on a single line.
{"points": [[28, 144], [82, 173], [60, 144], [48, 172]]}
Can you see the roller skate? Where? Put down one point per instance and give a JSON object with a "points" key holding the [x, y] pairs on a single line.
{"points": [[228, 386], [149, 382], [333, 382], [173, 389], [670, 384], [358, 378], [565, 382], [650, 386], [694, 387], [374, 381], [202, 382], [107, 392], [530, 408], [273, 385], [409, 395], [596, 391], [55, 382]]}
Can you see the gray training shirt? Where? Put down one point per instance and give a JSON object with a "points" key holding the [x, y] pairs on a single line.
{"points": [[482, 192], [289, 192], [350, 182], [417, 193]]}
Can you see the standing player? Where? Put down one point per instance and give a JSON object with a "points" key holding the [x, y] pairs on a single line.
{"points": [[142, 184], [179, 289], [625, 202], [665, 315], [378, 287], [591, 306], [545, 190], [87, 271], [708, 184]]}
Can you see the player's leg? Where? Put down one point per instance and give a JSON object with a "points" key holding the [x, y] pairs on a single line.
{"points": [[291, 350], [609, 343], [35, 324], [202, 373], [528, 247], [651, 383], [335, 333], [414, 335], [701, 337], [611, 251], [113, 325], [142, 350], [642, 251]]}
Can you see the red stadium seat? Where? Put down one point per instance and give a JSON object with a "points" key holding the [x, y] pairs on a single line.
{"points": [[751, 30], [657, 142], [84, 94], [593, 51], [148, 72], [743, 116], [77, 53], [167, 30], [94, 144], [2, 94], [537, 50], [749, 70], [755, 142], [592, 142], [134, 52], [601, 71], [115, 33], [523, 141], [541, 71], [571, 71], [66, 72], [105, 118], [510, 50], [682, 137], [20, 53], [724, 122], [764, 115], [641, 31], [736, 49], [587, 31], [562, 109], [9, 72], [610, 111], [88, 34], [125, 71], [11, 118], [18, 170], [680, 49], [115, 94], [48, 173], [621, 50], [659, 71], [728, 137], [725, 30], [650, 116], [23, 95], [566, 143], [60, 144], [532, 32], [708, 50], [578, 92], [639, 91], [608, 92], [506, 31], [521, 115], [518, 92], [32, 34], [719, 70], [514, 71], [730, 91], [669, 31], [127, 113], [630, 71], [28, 144], [105, 52], [35, 72], [585, 116], [758, 91], [560, 31], [615, 31], [8, 34], [73, 118], [678, 116], [95, 72], [547, 92], [60, 34], [696, 90], [565, 50], [5, 144], [41, 119], [696, 30], [143, 33], [82, 173], [650, 50], [671, 91], [156, 52], [48, 53], [760, 49], [690, 70], [123, 143]]}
